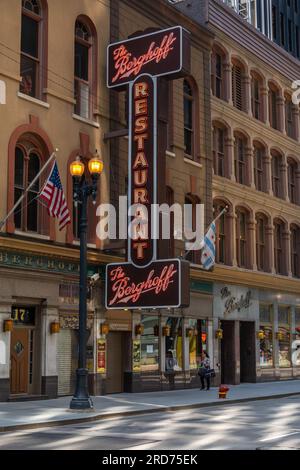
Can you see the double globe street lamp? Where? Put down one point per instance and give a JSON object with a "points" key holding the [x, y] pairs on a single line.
{"points": [[83, 188]]}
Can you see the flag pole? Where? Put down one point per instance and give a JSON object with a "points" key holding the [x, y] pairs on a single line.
{"points": [[2, 223], [213, 222]]}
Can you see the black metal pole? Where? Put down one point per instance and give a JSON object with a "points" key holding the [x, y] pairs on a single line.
{"points": [[81, 399]]}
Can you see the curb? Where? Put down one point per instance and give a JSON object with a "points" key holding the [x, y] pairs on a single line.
{"points": [[166, 409]]}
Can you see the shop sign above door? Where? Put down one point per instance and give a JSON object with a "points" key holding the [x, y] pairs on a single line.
{"points": [[233, 303]]}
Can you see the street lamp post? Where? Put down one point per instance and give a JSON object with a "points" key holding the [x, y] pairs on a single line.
{"points": [[81, 192]]}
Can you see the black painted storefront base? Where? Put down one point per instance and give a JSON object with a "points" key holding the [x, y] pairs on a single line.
{"points": [[49, 386], [4, 389]]}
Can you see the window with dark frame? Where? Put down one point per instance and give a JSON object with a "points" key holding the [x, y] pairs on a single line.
{"points": [[188, 106], [261, 223], [30, 61], [295, 251], [292, 168], [276, 182], [278, 247], [27, 216], [82, 70], [240, 159], [289, 117], [273, 114], [241, 238], [220, 234], [219, 150], [237, 88], [256, 99], [258, 168]]}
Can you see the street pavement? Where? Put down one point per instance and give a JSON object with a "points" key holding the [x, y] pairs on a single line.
{"points": [[17, 415], [268, 424]]}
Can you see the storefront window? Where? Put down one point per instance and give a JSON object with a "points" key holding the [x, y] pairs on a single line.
{"points": [[149, 344], [266, 347], [266, 344], [284, 346], [174, 342], [197, 341]]}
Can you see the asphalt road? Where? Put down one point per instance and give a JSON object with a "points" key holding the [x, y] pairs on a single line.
{"points": [[267, 424]]}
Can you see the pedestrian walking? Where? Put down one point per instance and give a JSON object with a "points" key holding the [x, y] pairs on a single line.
{"points": [[203, 371]]}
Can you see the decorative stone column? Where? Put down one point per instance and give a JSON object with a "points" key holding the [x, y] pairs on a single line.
{"points": [[265, 104], [286, 237], [267, 165], [270, 247], [296, 124], [281, 112], [227, 69], [251, 245], [49, 314], [5, 341], [249, 153], [284, 179], [229, 152]]}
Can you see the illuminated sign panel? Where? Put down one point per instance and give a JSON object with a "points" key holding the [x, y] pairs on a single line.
{"points": [[158, 53], [144, 281]]}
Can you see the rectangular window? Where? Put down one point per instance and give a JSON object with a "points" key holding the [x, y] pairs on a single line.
{"points": [[255, 99], [284, 347], [289, 117], [218, 76], [29, 39], [266, 347], [237, 88], [174, 345], [290, 34], [150, 344], [274, 23], [282, 39], [197, 341], [258, 169]]}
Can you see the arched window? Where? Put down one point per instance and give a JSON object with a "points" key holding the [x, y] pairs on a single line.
{"points": [[219, 135], [188, 106], [279, 247], [276, 174], [240, 161], [242, 218], [259, 177], [256, 96], [238, 86], [289, 118], [261, 250], [222, 234], [33, 38], [85, 68], [295, 250], [30, 214], [292, 168], [217, 73], [274, 108]]}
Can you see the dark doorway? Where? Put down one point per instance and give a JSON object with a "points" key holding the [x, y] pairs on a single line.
{"points": [[247, 351], [228, 353]]}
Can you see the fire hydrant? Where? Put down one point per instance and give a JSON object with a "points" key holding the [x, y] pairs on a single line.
{"points": [[223, 390]]}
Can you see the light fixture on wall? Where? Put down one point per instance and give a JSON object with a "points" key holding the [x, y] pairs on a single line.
{"points": [[261, 334], [104, 328], [54, 327], [280, 335], [8, 325], [219, 333], [139, 329]]}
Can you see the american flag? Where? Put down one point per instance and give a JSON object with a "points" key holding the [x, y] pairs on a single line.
{"points": [[53, 194]]}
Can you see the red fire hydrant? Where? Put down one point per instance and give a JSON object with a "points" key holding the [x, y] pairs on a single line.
{"points": [[223, 390]]}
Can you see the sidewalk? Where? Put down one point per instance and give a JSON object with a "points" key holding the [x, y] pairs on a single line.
{"points": [[32, 414]]}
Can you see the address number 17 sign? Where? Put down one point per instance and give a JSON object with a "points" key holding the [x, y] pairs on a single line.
{"points": [[136, 63]]}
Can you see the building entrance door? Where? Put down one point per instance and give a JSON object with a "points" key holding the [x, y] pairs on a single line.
{"points": [[247, 351], [19, 375], [115, 362], [228, 352]]}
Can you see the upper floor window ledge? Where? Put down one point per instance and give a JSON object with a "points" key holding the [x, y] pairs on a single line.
{"points": [[41, 103], [192, 162], [31, 235], [170, 154], [86, 121]]}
